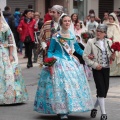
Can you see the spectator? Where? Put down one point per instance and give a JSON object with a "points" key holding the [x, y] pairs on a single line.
{"points": [[87, 19], [39, 23], [106, 18], [30, 7], [9, 17], [48, 16], [26, 29], [17, 16]]}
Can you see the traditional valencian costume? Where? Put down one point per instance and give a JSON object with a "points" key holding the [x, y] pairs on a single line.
{"points": [[101, 49], [67, 90], [12, 87], [113, 32]]}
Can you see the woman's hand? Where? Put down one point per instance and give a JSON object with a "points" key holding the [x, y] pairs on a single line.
{"points": [[70, 52], [112, 57], [91, 56], [75, 58], [20, 29], [11, 58]]}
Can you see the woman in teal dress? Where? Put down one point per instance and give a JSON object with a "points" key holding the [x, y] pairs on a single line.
{"points": [[12, 87], [67, 90]]}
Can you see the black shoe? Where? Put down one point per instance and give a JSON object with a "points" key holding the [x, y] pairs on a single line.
{"points": [[35, 61], [63, 116], [29, 65], [93, 113], [103, 117], [25, 57]]}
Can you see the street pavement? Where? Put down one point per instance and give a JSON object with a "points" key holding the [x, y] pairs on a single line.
{"points": [[25, 111]]}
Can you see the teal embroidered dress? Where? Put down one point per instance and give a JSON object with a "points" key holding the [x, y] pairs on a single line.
{"points": [[68, 90], [12, 87]]}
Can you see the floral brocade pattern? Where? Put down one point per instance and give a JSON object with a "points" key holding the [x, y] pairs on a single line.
{"points": [[12, 87], [66, 92]]}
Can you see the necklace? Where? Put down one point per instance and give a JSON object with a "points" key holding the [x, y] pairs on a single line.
{"points": [[64, 31]]}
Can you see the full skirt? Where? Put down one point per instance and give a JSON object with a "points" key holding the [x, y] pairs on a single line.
{"points": [[66, 91], [12, 87]]}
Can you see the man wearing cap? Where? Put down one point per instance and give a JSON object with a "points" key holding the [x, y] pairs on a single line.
{"points": [[99, 47], [49, 28]]}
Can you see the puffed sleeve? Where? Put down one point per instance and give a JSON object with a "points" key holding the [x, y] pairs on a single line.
{"points": [[9, 38], [51, 47], [78, 49]]}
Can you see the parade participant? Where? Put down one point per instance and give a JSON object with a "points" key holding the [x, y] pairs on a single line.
{"points": [[37, 33], [67, 89], [113, 33], [48, 16], [12, 87], [92, 24], [49, 28], [106, 18], [100, 48], [92, 12], [78, 29], [74, 18], [26, 28], [87, 69]]}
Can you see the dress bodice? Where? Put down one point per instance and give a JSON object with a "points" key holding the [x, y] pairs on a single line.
{"points": [[57, 50]]}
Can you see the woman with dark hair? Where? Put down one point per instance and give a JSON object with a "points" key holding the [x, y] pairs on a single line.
{"points": [[66, 90], [74, 23], [26, 29], [74, 18], [113, 32]]}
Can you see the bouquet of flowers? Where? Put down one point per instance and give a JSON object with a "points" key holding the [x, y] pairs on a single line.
{"points": [[50, 62], [116, 46], [85, 36]]}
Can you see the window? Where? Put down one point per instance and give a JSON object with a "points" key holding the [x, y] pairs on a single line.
{"points": [[74, 4]]}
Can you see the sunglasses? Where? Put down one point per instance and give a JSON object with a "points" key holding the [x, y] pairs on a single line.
{"points": [[100, 31]]}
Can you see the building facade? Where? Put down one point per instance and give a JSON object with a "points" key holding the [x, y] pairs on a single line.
{"points": [[81, 7]]}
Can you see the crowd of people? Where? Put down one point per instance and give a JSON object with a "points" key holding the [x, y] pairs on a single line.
{"points": [[63, 88]]}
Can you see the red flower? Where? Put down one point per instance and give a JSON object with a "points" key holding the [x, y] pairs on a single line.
{"points": [[48, 43], [85, 35], [49, 61], [111, 38], [116, 46]]}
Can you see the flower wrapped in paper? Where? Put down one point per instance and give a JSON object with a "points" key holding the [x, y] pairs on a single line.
{"points": [[86, 36], [50, 62], [116, 46]]}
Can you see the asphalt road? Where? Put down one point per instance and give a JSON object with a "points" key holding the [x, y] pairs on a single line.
{"points": [[25, 111]]}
